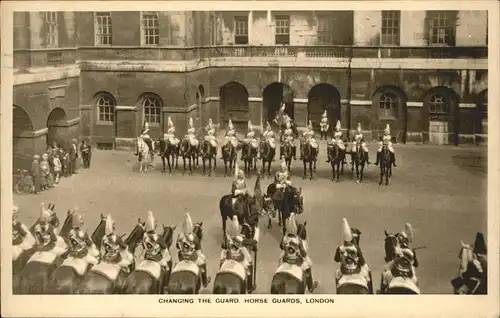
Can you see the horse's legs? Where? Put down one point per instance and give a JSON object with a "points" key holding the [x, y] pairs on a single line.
{"points": [[311, 173], [280, 218], [387, 176], [381, 173], [305, 169], [361, 172], [190, 165], [269, 169]]}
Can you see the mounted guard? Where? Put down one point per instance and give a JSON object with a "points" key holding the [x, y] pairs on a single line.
{"points": [[113, 248], [80, 244], [147, 139], [22, 239], [353, 268], [294, 252], [386, 140], [169, 136], [250, 138], [154, 248], [190, 248], [337, 138], [239, 185], [191, 134], [237, 251], [324, 125], [358, 139], [283, 179], [308, 138], [289, 137], [210, 137], [268, 137], [473, 274], [46, 236]]}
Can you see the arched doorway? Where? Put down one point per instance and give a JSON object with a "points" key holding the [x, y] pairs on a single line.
{"points": [[197, 120], [22, 138], [389, 106], [323, 97], [273, 96], [441, 114], [57, 125], [233, 104]]}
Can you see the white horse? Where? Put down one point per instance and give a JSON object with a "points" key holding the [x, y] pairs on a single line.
{"points": [[144, 157]]}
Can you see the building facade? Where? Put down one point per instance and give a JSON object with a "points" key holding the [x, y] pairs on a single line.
{"points": [[101, 75]]}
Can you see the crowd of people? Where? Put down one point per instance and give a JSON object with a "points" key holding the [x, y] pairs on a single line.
{"points": [[56, 162]]}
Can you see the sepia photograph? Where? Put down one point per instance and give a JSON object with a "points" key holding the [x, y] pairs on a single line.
{"points": [[254, 152]]}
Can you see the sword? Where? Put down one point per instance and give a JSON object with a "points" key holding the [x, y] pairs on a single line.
{"points": [[255, 266], [419, 247]]}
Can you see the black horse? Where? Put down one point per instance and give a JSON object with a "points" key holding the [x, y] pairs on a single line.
{"points": [[471, 280], [169, 152], [208, 153], [143, 281], [287, 152], [267, 155], [385, 165], [188, 153], [309, 157], [95, 283], [229, 156], [249, 157], [286, 201], [359, 159], [186, 282], [285, 282], [65, 278], [336, 158]]}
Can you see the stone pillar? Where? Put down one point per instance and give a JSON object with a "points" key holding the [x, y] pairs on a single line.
{"points": [[250, 25], [126, 126]]}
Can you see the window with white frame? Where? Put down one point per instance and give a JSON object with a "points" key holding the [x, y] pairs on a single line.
{"points": [[390, 27], [438, 105], [105, 109], [388, 105], [442, 27], [325, 30], [150, 28], [152, 109], [241, 30], [103, 28], [51, 29], [282, 35]]}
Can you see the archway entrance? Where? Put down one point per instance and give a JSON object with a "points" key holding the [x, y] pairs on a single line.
{"points": [[441, 110], [22, 138], [57, 125], [323, 97], [274, 95], [233, 104]]}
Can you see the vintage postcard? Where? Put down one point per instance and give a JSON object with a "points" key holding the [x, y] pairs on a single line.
{"points": [[250, 159]]}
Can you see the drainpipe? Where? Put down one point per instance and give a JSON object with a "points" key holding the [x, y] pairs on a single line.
{"points": [[349, 88]]}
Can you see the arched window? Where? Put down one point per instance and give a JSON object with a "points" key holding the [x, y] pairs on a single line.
{"points": [[152, 110], [388, 105], [438, 105], [105, 108]]}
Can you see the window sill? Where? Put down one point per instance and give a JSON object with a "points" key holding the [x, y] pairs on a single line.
{"points": [[393, 118], [105, 123]]}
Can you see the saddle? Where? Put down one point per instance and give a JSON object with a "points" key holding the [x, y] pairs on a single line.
{"points": [[186, 266], [358, 278], [43, 257], [108, 270], [233, 267], [401, 282], [78, 264], [291, 269], [151, 267]]}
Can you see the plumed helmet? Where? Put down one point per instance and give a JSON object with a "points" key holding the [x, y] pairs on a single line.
{"points": [[210, 123], [283, 165], [234, 229], [250, 127], [324, 114], [291, 226], [110, 225], [409, 232], [170, 123], [187, 225], [77, 220], [45, 156], [36, 157], [359, 128], [146, 125], [387, 129], [338, 127], [282, 109], [346, 231], [310, 126], [268, 125], [288, 123], [191, 124], [230, 125], [480, 244], [150, 222]]}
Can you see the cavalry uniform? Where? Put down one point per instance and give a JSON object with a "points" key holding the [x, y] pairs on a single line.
{"points": [[386, 140], [250, 137], [80, 244], [22, 239], [288, 137], [46, 236], [190, 248], [308, 138], [350, 257], [324, 125], [236, 251], [268, 137], [147, 139], [283, 176], [154, 248], [230, 136], [358, 139], [191, 134], [294, 251], [113, 249], [45, 171], [239, 185], [337, 138], [170, 134], [210, 137]]}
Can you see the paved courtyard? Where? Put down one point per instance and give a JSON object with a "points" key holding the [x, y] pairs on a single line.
{"points": [[441, 191]]}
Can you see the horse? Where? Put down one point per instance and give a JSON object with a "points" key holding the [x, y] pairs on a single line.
{"points": [[149, 277], [470, 280], [288, 155], [34, 278], [66, 278], [354, 283], [285, 202], [208, 153], [145, 158], [289, 278], [267, 154], [385, 165], [185, 278], [309, 156], [190, 153], [249, 156], [336, 157], [107, 278], [359, 159], [169, 152], [229, 154]]}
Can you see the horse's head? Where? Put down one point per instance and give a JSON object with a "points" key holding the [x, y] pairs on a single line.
{"points": [[466, 256], [302, 231], [247, 230], [268, 206], [390, 244], [198, 230], [136, 235], [99, 232], [67, 224], [168, 235], [356, 235]]}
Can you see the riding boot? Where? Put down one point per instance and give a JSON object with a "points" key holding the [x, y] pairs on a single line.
{"points": [[204, 278], [301, 152], [250, 286], [378, 158], [368, 158], [393, 157], [281, 152], [309, 280]]}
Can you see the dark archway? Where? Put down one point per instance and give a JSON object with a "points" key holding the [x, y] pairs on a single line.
{"points": [[201, 90], [273, 96], [323, 97], [233, 104], [482, 112], [389, 106], [22, 138], [57, 125], [441, 116]]}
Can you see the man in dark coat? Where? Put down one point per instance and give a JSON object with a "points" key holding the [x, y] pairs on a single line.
{"points": [[73, 155], [86, 151], [35, 173]]}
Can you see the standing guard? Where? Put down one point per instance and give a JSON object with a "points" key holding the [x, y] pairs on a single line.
{"points": [[22, 239], [170, 135], [337, 138], [191, 134], [294, 251], [81, 246], [190, 248], [236, 251], [268, 137], [358, 139], [324, 125], [386, 140], [283, 176], [154, 248], [289, 138], [113, 249], [308, 138], [239, 186], [210, 137]]}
